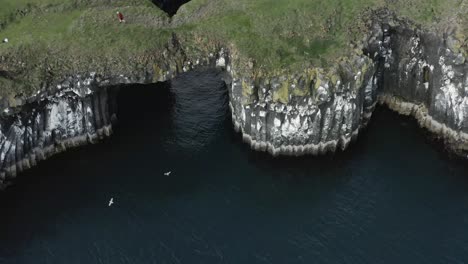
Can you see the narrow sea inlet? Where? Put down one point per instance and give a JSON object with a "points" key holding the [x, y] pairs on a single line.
{"points": [[391, 198]]}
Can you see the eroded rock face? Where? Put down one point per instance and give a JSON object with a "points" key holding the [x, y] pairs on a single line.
{"points": [[38, 130], [426, 75], [305, 113]]}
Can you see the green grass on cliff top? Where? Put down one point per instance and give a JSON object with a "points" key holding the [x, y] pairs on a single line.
{"points": [[84, 26], [288, 32], [275, 33]]}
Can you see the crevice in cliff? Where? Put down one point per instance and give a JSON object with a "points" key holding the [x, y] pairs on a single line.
{"points": [[6, 74], [170, 6]]}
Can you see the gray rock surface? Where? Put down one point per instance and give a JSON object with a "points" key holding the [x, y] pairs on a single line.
{"points": [[327, 117], [426, 75], [52, 124]]}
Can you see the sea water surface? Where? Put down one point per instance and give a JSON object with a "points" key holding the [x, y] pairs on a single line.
{"points": [[391, 198]]}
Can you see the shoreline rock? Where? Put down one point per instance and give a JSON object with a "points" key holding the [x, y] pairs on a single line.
{"points": [[39, 154], [455, 141], [38, 130]]}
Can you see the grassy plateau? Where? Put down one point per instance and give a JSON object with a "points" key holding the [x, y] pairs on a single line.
{"points": [[51, 37]]}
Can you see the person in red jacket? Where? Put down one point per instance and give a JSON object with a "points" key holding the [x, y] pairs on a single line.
{"points": [[121, 17]]}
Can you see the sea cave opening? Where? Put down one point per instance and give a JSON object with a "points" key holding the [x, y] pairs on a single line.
{"points": [[186, 111]]}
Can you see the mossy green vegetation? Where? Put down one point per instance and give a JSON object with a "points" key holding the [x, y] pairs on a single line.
{"points": [[77, 36], [85, 29], [278, 34], [285, 35], [282, 93]]}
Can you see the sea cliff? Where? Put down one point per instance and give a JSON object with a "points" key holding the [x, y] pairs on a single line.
{"points": [[52, 100]]}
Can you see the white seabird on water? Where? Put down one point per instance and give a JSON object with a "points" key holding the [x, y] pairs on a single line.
{"points": [[168, 173], [111, 202]]}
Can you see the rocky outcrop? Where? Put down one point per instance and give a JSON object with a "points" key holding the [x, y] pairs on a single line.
{"points": [[414, 72], [426, 75], [314, 111], [51, 124]]}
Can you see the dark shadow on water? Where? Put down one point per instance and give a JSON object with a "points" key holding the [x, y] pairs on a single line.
{"points": [[72, 181]]}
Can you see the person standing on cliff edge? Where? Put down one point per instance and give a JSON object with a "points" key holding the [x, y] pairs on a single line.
{"points": [[121, 17]]}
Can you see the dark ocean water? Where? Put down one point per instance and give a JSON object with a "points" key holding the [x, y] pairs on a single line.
{"points": [[391, 198]]}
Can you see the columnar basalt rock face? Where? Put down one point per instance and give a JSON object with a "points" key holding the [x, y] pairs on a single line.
{"points": [[75, 111], [313, 112], [38, 130], [426, 75]]}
